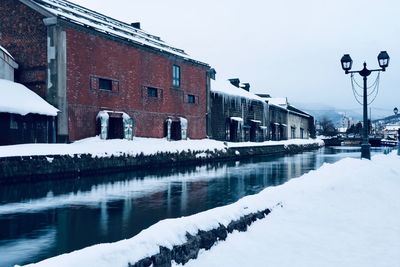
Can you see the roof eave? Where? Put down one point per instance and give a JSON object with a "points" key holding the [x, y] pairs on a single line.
{"points": [[37, 8]]}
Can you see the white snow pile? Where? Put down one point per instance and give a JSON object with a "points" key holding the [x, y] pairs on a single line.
{"points": [[119, 147], [6, 52], [17, 99], [344, 214], [226, 88], [115, 147]]}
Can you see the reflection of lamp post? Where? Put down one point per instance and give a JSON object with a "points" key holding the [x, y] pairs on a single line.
{"points": [[347, 62]]}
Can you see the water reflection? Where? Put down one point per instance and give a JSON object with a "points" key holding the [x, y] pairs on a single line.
{"points": [[63, 216]]}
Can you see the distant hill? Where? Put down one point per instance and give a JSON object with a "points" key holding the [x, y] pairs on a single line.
{"points": [[320, 111], [394, 119]]}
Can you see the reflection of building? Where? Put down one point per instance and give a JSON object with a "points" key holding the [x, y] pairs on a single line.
{"points": [[106, 77], [237, 114]]}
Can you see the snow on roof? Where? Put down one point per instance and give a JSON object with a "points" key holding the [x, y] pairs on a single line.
{"points": [[17, 99], [99, 22], [392, 127], [277, 101], [225, 87], [6, 52]]}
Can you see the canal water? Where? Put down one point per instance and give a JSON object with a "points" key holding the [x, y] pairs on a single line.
{"points": [[46, 219]]}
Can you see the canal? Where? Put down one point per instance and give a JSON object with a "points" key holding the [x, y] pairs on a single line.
{"points": [[46, 219]]}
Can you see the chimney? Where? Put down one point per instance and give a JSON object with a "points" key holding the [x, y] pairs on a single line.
{"points": [[212, 73], [235, 82], [245, 86], [136, 25]]}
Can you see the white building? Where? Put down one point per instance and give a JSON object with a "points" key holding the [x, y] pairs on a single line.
{"points": [[7, 65]]}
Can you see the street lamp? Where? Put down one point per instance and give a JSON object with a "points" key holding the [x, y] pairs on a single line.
{"points": [[347, 62]]}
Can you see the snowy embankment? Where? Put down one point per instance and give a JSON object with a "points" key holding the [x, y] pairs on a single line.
{"points": [[117, 147], [107, 148], [343, 214]]}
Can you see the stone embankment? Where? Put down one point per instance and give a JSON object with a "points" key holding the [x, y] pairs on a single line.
{"points": [[181, 254], [37, 168]]}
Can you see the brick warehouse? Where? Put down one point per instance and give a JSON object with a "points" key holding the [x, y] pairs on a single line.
{"points": [[105, 76]]}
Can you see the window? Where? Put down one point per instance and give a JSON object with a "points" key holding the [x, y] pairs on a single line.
{"points": [[301, 133], [13, 122], [152, 92], [293, 132], [105, 84], [176, 76], [191, 99]]}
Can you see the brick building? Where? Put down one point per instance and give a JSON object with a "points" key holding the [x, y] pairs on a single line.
{"points": [[106, 77], [237, 114]]}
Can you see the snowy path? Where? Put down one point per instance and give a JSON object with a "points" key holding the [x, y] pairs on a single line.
{"points": [[343, 214], [347, 214]]}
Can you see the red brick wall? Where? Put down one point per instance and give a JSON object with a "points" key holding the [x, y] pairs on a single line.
{"points": [[24, 35], [91, 55]]}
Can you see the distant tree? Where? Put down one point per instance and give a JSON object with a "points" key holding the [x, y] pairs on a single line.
{"points": [[358, 128], [328, 127], [351, 129]]}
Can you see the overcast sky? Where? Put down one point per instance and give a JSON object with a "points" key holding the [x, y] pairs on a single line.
{"points": [[285, 48]]}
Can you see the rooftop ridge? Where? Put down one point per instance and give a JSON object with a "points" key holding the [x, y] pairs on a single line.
{"points": [[81, 15]]}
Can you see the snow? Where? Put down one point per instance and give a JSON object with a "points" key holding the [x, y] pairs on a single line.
{"points": [[236, 119], [392, 127], [138, 145], [277, 101], [225, 87], [83, 16], [115, 147], [330, 217], [6, 52], [344, 214], [17, 99]]}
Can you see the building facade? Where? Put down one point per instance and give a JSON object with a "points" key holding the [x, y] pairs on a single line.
{"points": [[7, 65], [299, 124], [24, 116], [278, 118], [237, 114], [106, 77], [286, 121]]}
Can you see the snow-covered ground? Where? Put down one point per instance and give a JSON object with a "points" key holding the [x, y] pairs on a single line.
{"points": [[148, 146], [343, 214]]}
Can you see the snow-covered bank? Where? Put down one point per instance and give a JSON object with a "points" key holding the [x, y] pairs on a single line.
{"points": [[342, 214], [107, 148], [146, 146], [34, 162]]}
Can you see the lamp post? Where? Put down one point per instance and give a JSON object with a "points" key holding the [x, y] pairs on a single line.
{"points": [[347, 62]]}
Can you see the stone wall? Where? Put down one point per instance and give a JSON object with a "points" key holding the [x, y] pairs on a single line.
{"points": [[37, 168], [181, 254]]}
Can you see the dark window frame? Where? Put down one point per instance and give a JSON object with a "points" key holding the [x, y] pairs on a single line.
{"points": [[152, 92], [191, 99], [13, 122], [104, 82], [176, 76]]}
